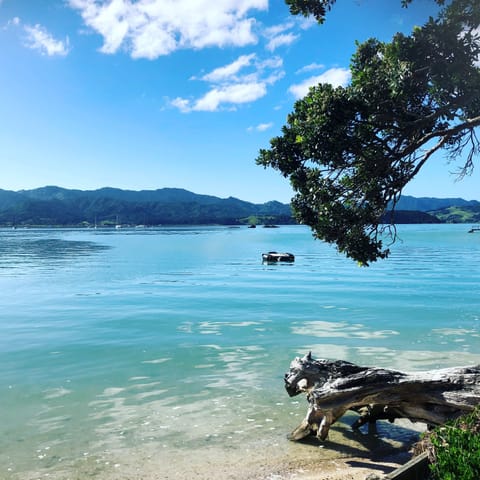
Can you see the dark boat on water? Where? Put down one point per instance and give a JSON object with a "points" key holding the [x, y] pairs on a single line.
{"points": [[275, 257]]}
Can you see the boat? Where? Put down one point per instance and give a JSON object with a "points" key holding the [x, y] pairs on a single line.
{"points": [[275, 257], [474, 229]]}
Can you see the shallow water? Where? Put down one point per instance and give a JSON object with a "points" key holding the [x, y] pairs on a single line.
{"points": [[160, 353]]}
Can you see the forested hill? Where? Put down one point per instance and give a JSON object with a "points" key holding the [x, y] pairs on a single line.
{"points": [[428, 204], [447, 210], [109, 206], [55, 206]]}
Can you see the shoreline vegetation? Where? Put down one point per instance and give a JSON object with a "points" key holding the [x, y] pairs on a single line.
{"points": [[115, 208]]}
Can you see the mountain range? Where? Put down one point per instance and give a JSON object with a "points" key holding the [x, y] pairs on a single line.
{"points": [[55, 206], [110, 206]]}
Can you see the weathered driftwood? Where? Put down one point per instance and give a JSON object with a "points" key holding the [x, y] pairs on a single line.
{"points": [[333, 387]]}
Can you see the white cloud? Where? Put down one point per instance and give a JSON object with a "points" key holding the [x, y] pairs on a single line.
{"points": [[13, 22], [335, 76], [230, 94], [244, 80], [306, 23], [152, 28], [279, 35], [272, 62], [228, 71], [38, 38], [182, 104], [275, 30], [281, 40], [311, 67], [151, 42], [262, 127]]}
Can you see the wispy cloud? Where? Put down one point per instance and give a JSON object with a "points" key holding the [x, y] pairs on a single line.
{"points": [[152, 28], [244, 80], [229, 71], [310, 68], [305, 23], [230, 94], [261, 127], [13, 22], [38, 38], [280, 35], [281, 40], [335, 76]]}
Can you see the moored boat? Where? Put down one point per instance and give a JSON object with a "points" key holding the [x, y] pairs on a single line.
{"points": [[274, 257]]}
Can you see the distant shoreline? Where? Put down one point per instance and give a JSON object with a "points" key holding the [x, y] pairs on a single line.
{"points": [[110, 207]]}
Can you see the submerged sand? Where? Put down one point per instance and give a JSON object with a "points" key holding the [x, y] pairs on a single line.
{"points": [[341, 468], [344, 456]]}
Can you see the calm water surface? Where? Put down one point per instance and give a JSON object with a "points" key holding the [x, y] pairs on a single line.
{"points": [[160, 353]]}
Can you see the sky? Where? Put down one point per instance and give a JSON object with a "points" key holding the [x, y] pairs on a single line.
{"points": [[147, 94]]}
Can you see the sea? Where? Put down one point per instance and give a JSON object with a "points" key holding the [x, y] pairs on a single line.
{"points": [[159, 353]]}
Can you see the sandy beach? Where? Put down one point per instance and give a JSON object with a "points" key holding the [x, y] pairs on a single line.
{"points": [[346, 455], [346, 468], [355, 468]]}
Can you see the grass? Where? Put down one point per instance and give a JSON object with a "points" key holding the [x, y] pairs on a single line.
{"points": [[455, 448]]}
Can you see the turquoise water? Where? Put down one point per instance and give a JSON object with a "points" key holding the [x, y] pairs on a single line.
{"points": [[155, 353]]}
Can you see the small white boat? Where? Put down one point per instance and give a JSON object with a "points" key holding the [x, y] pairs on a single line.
{"points": [[275, 257]]}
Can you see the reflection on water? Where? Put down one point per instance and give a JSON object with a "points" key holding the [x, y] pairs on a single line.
{"points": [[21, 251]]}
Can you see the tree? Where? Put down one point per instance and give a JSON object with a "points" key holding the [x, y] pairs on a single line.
{"points": [[319, 8], [349, 151]]}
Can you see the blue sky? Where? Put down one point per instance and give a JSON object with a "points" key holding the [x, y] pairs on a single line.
{"points": [[146, 94]]}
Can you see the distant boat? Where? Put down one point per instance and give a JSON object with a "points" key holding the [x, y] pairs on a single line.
{"points": [[275, 257], [474, 229]]}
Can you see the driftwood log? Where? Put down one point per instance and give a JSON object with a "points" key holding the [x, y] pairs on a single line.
{"points": [[333, 387]]}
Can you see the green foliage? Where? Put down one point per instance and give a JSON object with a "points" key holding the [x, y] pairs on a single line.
{"points": [[457, 449], [349, 151], [317, 8]]}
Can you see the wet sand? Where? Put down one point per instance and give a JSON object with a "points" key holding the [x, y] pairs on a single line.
{"points": [[344, 456], [355, 468], [341, 468]]}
